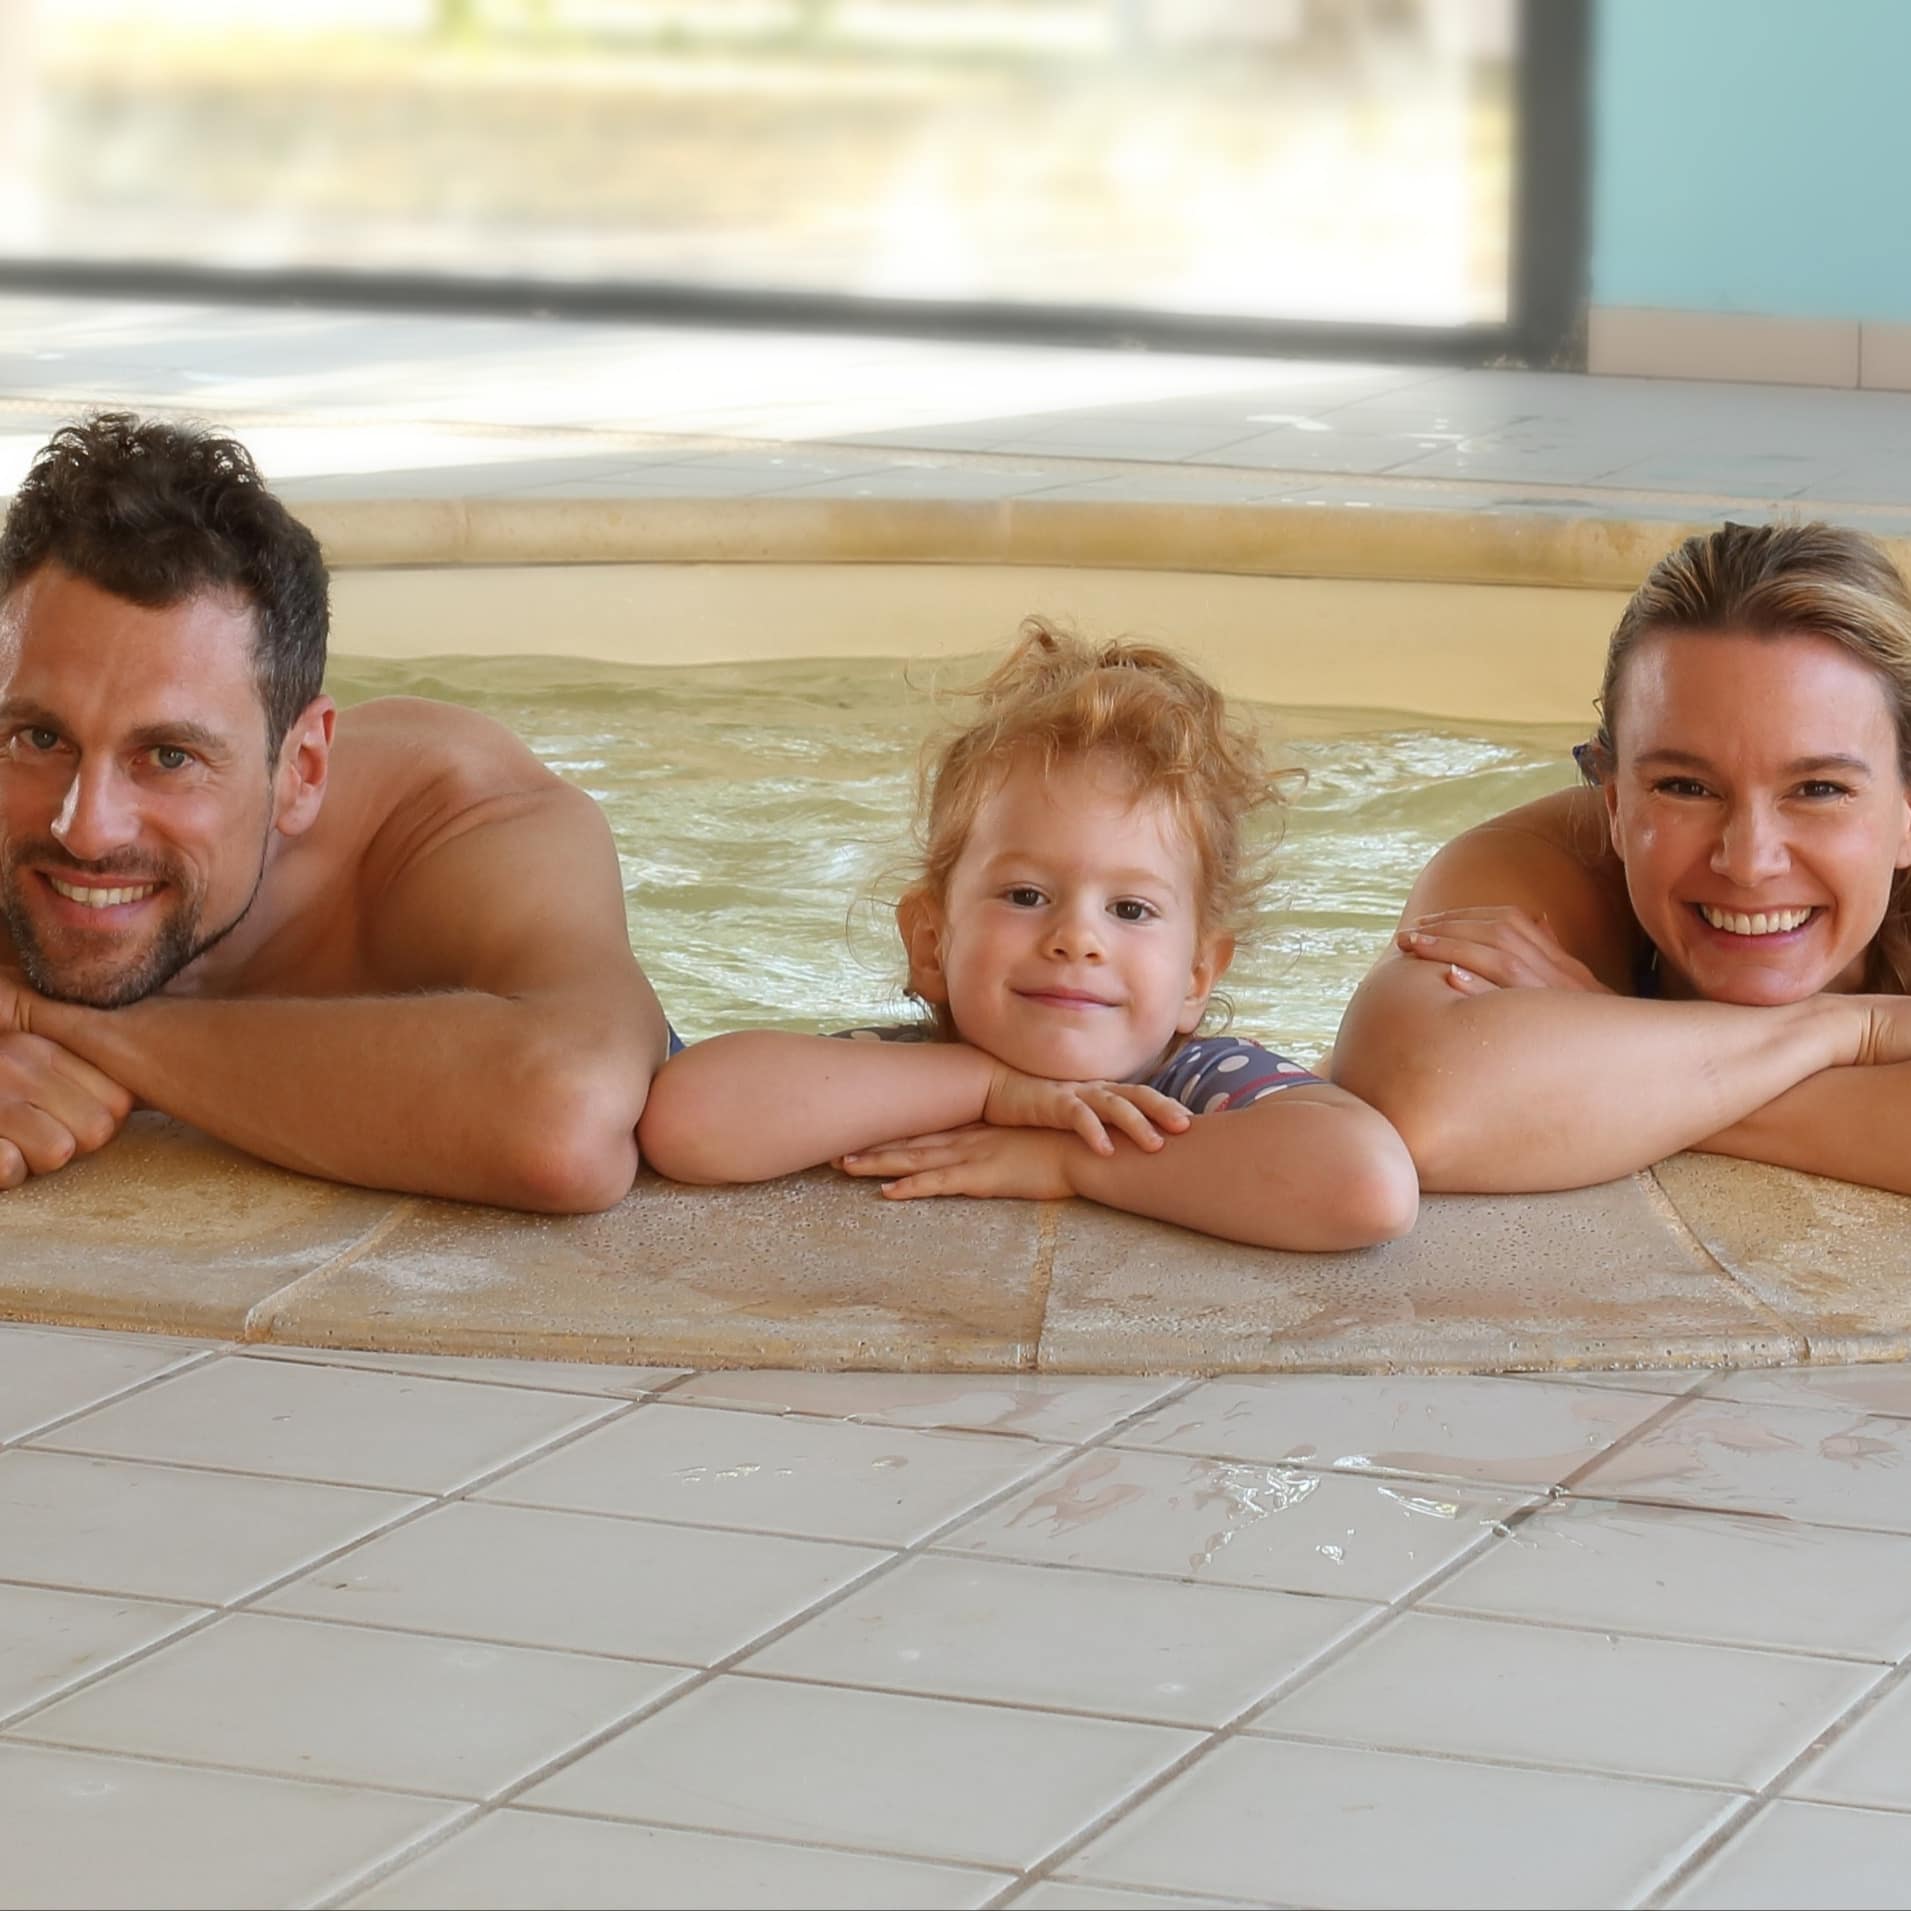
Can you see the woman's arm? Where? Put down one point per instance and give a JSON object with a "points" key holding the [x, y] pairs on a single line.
{"points": [[1508, 1090], [1310, 1168], [750, 1106], [1853, 1124]]}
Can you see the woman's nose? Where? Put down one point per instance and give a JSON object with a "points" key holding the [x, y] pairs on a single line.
{"points": [[1751, 847]]}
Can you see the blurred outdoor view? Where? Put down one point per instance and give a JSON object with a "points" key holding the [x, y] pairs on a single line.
{"points": [[1340, 160]]}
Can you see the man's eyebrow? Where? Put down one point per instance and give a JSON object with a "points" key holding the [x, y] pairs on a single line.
{"points": [[25, 710], [184, 734], [1798, 766]]}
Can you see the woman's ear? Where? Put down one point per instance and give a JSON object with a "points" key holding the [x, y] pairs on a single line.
{"points": [[1609, 789], [1210, 965], [920, 922]]}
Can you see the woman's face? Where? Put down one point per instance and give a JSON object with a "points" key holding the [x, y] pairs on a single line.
{"points": [[1759, 809]]}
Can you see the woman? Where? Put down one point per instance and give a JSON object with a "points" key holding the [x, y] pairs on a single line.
{"points": [[1710, 946]]}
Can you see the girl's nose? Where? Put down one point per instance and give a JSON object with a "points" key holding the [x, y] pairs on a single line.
{"points": [[1075, 936]]}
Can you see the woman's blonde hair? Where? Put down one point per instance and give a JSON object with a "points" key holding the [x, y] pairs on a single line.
{"points": [[1056, 697], [1780, 580]]}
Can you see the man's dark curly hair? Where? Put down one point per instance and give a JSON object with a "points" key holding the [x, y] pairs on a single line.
{"points": [[157, 512]]}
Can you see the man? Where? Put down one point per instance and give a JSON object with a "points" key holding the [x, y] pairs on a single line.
{"points": [[386, 947]]}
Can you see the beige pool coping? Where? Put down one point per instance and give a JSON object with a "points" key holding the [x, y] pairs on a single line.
{"points": [[1699, 1263]]}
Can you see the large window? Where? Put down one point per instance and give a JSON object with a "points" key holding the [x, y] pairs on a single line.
{"points": [[1339, 161]]}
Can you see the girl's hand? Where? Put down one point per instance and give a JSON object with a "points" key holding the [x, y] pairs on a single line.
{"points": [[1088, 1109], [1496, 948], [1027, 1164]]}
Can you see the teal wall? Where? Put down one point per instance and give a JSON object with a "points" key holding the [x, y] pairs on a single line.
{"points": [[1753, 156]]}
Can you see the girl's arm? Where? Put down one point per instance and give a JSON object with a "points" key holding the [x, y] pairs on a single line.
{"points": [[1524, 1088], [762, 1103], [1310, 1167]]}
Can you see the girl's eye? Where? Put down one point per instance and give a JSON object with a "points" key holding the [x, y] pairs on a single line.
{"points": [[1025, 897], [1131, 910]]}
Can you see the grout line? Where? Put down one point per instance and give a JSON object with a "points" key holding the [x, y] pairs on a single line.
{"points": [[185, 1364], [256, 1327], [771, 1634], [1774, 1788]]}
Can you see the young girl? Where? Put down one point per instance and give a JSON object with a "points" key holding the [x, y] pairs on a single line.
{"points": [[1082, 881]]}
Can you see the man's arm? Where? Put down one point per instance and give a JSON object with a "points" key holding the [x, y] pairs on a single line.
{"points": [[502, 1052]]}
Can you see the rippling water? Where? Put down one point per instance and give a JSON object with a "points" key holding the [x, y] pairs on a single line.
{"points": [[761, 812]]}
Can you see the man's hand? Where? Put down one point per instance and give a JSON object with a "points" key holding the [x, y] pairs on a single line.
{"points": [[53, 1106], [1023, 1164], [1088, 1109]]}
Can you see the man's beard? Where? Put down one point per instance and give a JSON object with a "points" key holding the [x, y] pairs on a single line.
{"points": [[176, 946]]}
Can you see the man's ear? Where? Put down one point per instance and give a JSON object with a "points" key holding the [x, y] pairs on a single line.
{"points": [[1210, 965], [305, 760], [920, 922]]}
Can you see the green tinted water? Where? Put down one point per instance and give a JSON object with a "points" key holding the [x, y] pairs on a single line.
{"points": [[759, 809]]}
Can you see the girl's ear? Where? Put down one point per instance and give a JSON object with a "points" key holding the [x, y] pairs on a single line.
{"points": [[920, 922], [1210, 965]]}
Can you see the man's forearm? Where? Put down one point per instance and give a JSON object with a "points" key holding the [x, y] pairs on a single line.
{"points": [[463, 1094]]}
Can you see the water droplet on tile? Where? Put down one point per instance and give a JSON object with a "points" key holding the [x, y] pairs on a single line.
{"points": [[890, 1460], [1336, 1553], [1415, 1503]]}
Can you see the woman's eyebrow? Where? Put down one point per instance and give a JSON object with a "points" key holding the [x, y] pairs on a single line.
{"points": [[1798, 766]]}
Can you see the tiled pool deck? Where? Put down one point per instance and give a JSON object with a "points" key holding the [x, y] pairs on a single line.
{"points": [[293, 1624]]}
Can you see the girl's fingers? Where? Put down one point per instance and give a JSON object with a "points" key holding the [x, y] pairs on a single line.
{"points": [[1088, 1125], [1123, 1114]]}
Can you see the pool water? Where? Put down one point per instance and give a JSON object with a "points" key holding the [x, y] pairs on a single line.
{"points": [[762, 817]]}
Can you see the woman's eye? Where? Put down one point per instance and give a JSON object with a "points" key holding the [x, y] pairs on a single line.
{"points": [[1679, 786], [1130, 910]]}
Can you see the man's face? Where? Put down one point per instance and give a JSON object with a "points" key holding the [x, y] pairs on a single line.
{"points": [[136, 801]]}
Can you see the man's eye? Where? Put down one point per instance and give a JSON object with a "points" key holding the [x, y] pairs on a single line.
{"points": [[1025, 897], [169, 756], [38, 737], [1819, 788]]}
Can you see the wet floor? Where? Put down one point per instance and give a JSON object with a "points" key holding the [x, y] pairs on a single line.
{"points": [[297, 1628]]}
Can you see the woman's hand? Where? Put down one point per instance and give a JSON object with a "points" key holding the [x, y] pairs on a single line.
{"points": [[1027, 1164], [1496, 948], [1088, 1109]]}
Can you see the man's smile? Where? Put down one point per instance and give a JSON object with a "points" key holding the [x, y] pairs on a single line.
{"points": [[98, 895]]}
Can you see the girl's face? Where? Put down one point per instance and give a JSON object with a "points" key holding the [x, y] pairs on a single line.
{"points": [[1067, 944], [1759, 809]]}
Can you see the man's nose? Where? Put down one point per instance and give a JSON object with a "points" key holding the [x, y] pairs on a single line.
{"points": [[1751, 847], [98, 815]]}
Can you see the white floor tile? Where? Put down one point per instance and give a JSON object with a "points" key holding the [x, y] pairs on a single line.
{"points": [[578, 1580], [1836, 1468], [1491, 1430], [1591, 1701], [918, 1777], [1095, 1642], [1882, 1388], [774, 1473], [1229, 1522], [384, 1709], [1689, 1574], [1794, 1857], [82, 1829], [1062, 1408], [113, 1526], [44, 1374], [549, 1376], [337, 1424], [1326, 1825], [1869, 1763], [50, 1640], [517, 1858]]}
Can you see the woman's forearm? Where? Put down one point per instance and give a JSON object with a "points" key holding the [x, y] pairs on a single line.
{"points": [[1853, 1124], [1520, 1090], [751, 1106]]}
